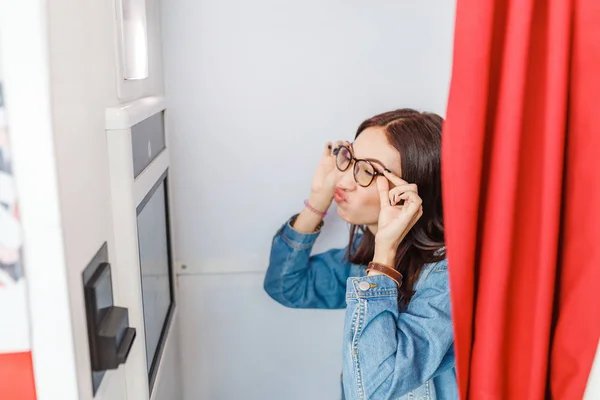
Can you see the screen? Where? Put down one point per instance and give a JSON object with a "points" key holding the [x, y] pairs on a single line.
{"points": [[155, 261]]}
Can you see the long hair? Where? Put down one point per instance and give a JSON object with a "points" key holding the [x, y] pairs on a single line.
{"points": [[417, 137]]}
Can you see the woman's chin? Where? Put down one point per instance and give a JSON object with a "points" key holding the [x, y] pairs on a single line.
{"points": [[343, 214], [355, 219]]}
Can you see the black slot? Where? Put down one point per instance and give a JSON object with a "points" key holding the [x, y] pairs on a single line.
{"points": [[109, 334]]}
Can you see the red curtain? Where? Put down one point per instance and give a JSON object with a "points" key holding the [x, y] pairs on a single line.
{"points": [[521, 181], [16, 376]]}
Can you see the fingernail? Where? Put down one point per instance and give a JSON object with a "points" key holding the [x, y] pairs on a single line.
{"points": [[387, 170], [329, 147]]}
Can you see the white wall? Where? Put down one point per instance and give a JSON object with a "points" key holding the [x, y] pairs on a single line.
{"points": [[254, 89], [593, 386], [83, 64], [168, 377]]}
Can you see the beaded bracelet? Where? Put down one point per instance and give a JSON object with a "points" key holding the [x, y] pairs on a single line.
{"points": [[311, 208]]}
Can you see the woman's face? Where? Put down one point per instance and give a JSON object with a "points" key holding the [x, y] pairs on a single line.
{"points": [[360, 205]]}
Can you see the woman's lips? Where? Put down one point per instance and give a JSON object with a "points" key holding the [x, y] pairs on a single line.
{"points": [[339, 195]]}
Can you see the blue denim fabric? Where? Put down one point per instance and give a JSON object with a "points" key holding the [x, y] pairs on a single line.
{"points": [[388, 352]]}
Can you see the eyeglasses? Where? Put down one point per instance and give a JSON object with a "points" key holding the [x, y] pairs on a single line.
{"points": [[364, 172]]}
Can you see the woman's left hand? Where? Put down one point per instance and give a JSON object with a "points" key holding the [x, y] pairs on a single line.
{"points": [[395, 220]]}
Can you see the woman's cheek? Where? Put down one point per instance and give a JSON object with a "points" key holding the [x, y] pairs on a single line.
{"points": [[370, 205]]}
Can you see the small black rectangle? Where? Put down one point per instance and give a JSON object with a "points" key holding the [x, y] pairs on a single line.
{"points": [[99, 259], [147, 141], [109, 334], [99, 294]]}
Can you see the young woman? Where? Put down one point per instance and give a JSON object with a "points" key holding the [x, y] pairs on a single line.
{"points": [[392, 277]]}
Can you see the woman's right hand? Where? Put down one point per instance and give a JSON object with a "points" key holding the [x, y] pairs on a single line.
{"points": [[321, 191], [324, 179]]}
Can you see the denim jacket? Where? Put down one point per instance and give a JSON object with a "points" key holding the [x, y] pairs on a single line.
{"points": [[388, 353]]}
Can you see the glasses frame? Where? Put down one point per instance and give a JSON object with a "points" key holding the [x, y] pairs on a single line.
{"points": [[355, 161]]}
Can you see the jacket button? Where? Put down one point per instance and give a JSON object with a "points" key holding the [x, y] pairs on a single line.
{"points": [[364, 286]]}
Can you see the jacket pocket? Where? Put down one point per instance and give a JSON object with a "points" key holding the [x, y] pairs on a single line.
{"points": [[423, 392]]}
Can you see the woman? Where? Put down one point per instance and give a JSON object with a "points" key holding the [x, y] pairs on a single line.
{"points": [[392, 278]]}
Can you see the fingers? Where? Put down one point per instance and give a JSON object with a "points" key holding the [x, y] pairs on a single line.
{"points": [[395, 192], [332, 147], [395, 179], [417, 216], [336, 147], [383, 187], [412, 202]]}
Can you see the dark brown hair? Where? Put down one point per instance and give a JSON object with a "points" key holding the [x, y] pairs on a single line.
{"points": [[417, 137]]}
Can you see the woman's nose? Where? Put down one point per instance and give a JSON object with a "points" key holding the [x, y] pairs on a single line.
{"points": [[346, 180]]}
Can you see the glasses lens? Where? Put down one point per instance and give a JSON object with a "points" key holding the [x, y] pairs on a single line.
{"points": [[363, 173], [343, 158]]}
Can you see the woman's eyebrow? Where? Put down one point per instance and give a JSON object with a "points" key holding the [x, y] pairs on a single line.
{"points": [[375, 161], [368, 159]]}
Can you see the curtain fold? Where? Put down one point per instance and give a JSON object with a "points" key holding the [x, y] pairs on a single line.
{"points": [[522, 196]]}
